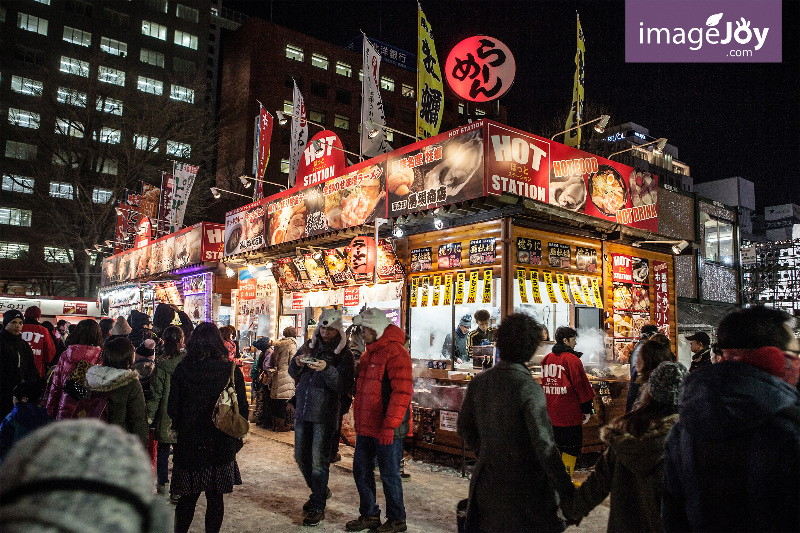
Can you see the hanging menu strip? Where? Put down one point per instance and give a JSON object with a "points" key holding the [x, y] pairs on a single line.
{"points": [[523, 294], [537, 296], [425, 283], [562, 286], [487, 286], [548, 281], [587, 290], [598, 298], [460, 279], [575, 288], [473, 286], [448, 289], [437, 281], [414, 285]]}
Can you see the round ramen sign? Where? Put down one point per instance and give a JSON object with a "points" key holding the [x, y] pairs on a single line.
{"points": [[480, 69]]}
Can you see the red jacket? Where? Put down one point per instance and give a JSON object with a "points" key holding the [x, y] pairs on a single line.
{"points": [[60, 404], [41, 343], [386, 356], [566, 387]]}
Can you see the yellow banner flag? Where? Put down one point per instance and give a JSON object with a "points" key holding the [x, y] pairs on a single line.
{"points": [[598, 298], [459, 297], [425, 283], [575, 287], [473, 286], [587, 290], [448, 288], [548, 281], [537, 297], [487, 286], [523, 293], [573, 138], [437, 281], [430, 89], [414, 285], [562, 286]]}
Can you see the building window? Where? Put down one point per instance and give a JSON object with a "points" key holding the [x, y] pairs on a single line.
{"points": [[186, 39], [360, 75], [23, 118], [115, 18], [72, 128], [65, 158], [111, 75], [183, 66], [74, 66], [389, 136], [718, 240], [319, 61], [18, 150], [56, 255], [343, 69], [343, 96], [12, 216], [157, 5], [142, 142], [184, 94], [387, 84], [319, 89], [12, 250], [151, 58], [113, 46], [287, 107], [461, 109], [76, 36], [407, 91], [316, 115], [61, 190], [284, 166], [45, 2], [187, 13], [31, 23], [294, 52], [480, 113], [406, 115], [341, 122], [71, 96], [388, 109], [109, 166], [109, 105], [101, 196], [30, 55], [151, 29], [149, 85], [26, 86], [179, 149], [15, 183], [110, 136], [81, 7]]}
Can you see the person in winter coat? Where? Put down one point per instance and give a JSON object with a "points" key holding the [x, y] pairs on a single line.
{"points": [[282, 387], [83, 345], [105, 326], [16, 360], [732, 461], [58, 343], [323, 369], [144, 363], [205, 457], [164, 315], [649, 355], [382, 409], [119, 384], [26, 416], [228, 333], [631, 468], [141, 328], [120, 329], [700, 344], [568, 392], [455, 344], [260, 379], [171, 353], [648, 330], [519, 477], [38, 338]]}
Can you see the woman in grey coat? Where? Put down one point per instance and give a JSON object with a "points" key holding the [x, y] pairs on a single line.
{"points": [[519, 479], [282, 386]]}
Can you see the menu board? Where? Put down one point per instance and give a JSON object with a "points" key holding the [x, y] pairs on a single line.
{"points": [[661, 291], [631, 299], [558, 255], [481, 251], [244, 228], [337, 265], [449, 255], [167, 292], [285, 272], [529, 251], [586, 259], [420, 259], [314, 265], [389, 266]]}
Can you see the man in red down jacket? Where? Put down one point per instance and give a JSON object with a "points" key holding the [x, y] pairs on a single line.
{"points": [[38, 338], [382, 409]]}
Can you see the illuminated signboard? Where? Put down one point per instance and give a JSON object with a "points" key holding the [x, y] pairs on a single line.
{"points": [[480, 69]]}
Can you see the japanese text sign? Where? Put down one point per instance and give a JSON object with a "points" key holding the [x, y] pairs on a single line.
{"points": [[480, 69]]}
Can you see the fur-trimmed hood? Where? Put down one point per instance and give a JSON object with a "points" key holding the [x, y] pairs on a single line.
{"points": [[330, 318], [642, 454], [104, 378]]}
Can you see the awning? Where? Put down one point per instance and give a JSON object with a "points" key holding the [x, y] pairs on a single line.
{"points": [[700, 317]]}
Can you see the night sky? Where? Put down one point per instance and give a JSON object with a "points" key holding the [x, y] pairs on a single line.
{"points": [[726, 119]]}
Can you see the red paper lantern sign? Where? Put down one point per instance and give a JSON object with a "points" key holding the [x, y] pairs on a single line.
{"points": [[480, 69], [363, 255]]}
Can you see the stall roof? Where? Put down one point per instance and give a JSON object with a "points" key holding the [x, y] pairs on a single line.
{"points": [[694, 316]]}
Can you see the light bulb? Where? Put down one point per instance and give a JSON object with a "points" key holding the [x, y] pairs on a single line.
{"points": [[215, 192], [437, 223], [229, 272], [398, 232]]}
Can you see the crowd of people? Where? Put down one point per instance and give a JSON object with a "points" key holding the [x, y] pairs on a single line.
{"points": [[698, 449]]}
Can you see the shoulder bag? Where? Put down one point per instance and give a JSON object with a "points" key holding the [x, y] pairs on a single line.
{"points": [[226, 411]]}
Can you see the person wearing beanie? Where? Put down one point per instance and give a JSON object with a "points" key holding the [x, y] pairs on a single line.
{"points": [[323, 369], [631, 467], [26, 416], [731, 463], [80, 475], [38, 339], [17, 362], [120, 329], [381, 412], [141, 328], [282, 385], [455, 345]]}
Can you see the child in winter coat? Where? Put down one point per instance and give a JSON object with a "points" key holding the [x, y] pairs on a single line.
{"points": [[116, 382], [145, 365], [26, 415]]}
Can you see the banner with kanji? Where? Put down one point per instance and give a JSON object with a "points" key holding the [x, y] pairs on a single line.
{"points": [[430, 88], [165, 204], [184, 175], [299, 137], [371, 105], [150, 199], [661, 290], [573, 138], [261, 150]]}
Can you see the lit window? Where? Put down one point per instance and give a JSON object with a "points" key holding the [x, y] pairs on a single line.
{"points": [[110, 136], [389, 136], [294, 52], [76, 36], [21, 117], [407, 91], [45, 2], [12, 250], [343, 69], [287, 107], [15, 183], [149, 85], [71, 96], [18, 150], [179, 149], [142, 142], [387, 83], [316, 115], [31, 23], [184, 94], [114, 47], [11, 216], [461, 109], [72, 128], [109, 105], [151, 29], [26, 86], [111, 75], [341, 122], [56, 255], [319, 61], [360, 75], [61, 190], [74, 66], [480, 112], [285, 166], [186, 39], [187, 13], [151, 58], [101, 196]]}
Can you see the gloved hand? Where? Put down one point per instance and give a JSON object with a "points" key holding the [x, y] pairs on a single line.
{"points": [[319, 366], [586, 418], [387, 437]]}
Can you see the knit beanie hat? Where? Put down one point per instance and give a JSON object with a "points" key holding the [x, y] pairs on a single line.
{"points": [[147, 348], [163, 316], [330, 318], [138, 320], [82, 476], [373, 318], [33, 312], [465, 321], [121, 327], [10, 315], [665, 382]]}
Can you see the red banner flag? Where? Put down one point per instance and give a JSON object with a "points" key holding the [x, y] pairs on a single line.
{"points": [[265, 124]]}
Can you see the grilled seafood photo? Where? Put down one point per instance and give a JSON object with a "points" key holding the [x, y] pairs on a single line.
{"points": [[461, 162], [622, 297]]}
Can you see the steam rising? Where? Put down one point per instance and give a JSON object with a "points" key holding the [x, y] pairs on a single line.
{"points": [[591, 341]]}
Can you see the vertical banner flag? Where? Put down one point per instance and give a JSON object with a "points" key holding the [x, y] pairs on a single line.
{"points": [[371, 105], [134, 202], [184, 175], [430, 88], [265, 123], [299, 133], [573, 138], [150, 198], [122, 227], [165, 204]]}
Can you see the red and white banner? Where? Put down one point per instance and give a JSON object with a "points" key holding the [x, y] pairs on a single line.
{"points": [[621, 271], [184, 175], [661, 287], [371, 105], [330, 162], [122, 228], [165, 204], [143, 233], [297, 301], [261, 151], [351, 296], [299, 134]]}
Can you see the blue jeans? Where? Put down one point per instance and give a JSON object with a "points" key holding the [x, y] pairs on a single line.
{"points": [[162, 462], [312, 448], [389, 457]]}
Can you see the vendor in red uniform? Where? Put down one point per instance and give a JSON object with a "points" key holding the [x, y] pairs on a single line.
{"points": [[39, 339], [568, 392]]}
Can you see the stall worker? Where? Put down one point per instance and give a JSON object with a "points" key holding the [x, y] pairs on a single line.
{"points": [[483, 335], [455, 344], [38, 338]]}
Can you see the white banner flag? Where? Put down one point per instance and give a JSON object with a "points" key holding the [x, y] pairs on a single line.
{"points": [[184, 176], [299, 133], [371, 105]]}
